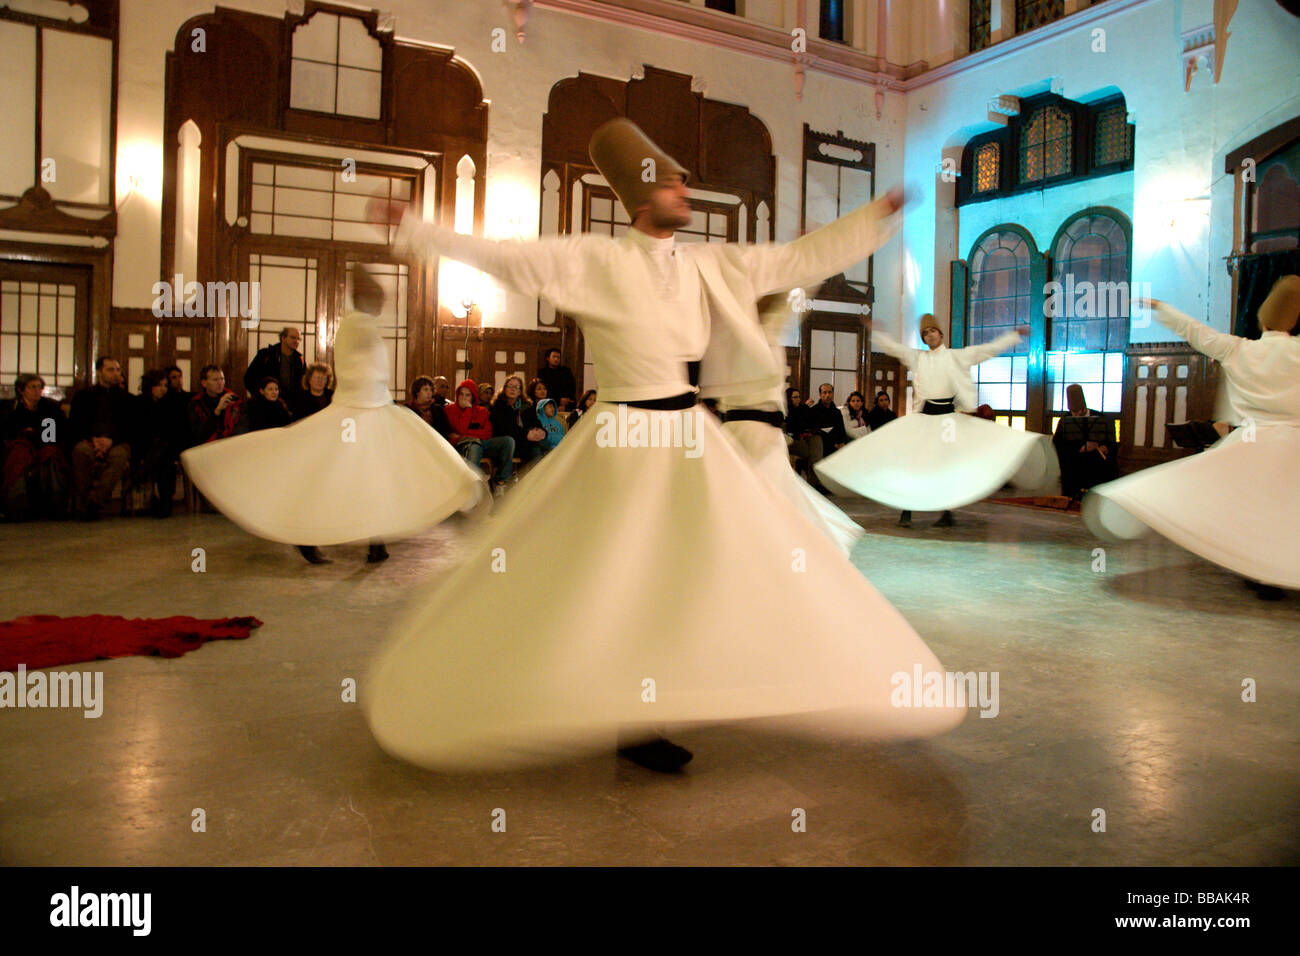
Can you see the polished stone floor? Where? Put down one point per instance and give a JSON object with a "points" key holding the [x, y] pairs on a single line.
{"points": [[1120, 690]]}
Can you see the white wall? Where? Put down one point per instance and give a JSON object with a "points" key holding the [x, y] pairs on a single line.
{"points": [[1181, 140]]}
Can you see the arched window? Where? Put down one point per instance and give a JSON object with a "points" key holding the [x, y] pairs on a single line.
{"points": [[1000, 300], [1088, 307], [1045, 145]]}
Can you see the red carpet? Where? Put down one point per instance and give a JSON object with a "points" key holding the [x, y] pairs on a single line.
{"points": [[45, 640]]}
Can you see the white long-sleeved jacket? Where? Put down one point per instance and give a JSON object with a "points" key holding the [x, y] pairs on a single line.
{"points": [[1262, 375], [640, 336], [943, 373]]}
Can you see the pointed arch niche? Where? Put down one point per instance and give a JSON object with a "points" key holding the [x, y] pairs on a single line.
{"points": [[725, 148]]}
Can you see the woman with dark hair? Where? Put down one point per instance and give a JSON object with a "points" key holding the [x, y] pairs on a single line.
{"points": [[162, 433], [588, 399], [35, 478], [512, 414], [419, 399], [536, 391], [317, 391], [855, 415], [268, 409]]}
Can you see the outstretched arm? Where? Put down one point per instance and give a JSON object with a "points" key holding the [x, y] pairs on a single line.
{"points": [[974, 354], [529, 268], [1217, 345], [880, 342], [826, 251]]}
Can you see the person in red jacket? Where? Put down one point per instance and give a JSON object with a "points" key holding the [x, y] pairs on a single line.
{"points": [[471, 434]]}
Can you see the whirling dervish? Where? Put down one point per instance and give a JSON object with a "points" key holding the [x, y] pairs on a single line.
{"points": [[693, 593], [361, 469], [755, 421], [1235, 503], [940, 459]]}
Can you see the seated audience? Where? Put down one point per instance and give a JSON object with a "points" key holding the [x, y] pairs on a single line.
{"points": [[1087, 450], [512, 414], [35, 477], [588, 399], [214, 409], [267, 409], [422, 402], [881, 414], [548, 416], [282, 362], [317, 391], [471, 435], [485, 393], [162, 433], [102, 424], [825, 418], [855, 415], [176, 381], [441, 389]]}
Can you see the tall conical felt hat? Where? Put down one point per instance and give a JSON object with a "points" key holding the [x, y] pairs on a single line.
{"points": [[1281, 310], [620, 149], [928, 321]]}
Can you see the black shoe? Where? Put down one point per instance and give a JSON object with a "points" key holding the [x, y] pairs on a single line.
{"points": [[312, 554], [945, 520], [905, 519], [1266, 592], [377, 553], [659, 755]]}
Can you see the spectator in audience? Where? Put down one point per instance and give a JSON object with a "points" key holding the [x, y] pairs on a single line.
{"points": [[267, 409], [548, 417], [102, 425], [485, 392], [881, 414], [855, 415], [588, 399], [808, 445], [214, 409], [176, 381], [559, 381], [536, 391], [441, 389], [512, 414], [162, 433], [422, 402], [35, 477], [825, 417], [471, 435], [316, 393], [282, 362]]}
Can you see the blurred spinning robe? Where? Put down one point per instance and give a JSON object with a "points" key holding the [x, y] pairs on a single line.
{"points": [[1235, 503], [361, 469], [754, 421], [692, 592], [936, 462]]}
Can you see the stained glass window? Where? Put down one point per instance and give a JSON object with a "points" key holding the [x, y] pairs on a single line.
{"points": [[981, 20], [987, 163], [1045, 148], [1112, 137], [1035, 13]]}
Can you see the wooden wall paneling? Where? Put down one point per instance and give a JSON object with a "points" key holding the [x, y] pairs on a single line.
{"points": [[885, 373], [1144, 439]]}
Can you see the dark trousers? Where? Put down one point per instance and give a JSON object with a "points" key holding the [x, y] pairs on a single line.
{"points": [[93, 477], [35, 480], [159, 468]]}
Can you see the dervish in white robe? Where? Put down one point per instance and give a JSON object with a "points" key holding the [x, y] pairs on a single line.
{"points": [[643, 573], [1235, 503], [941, 458]]}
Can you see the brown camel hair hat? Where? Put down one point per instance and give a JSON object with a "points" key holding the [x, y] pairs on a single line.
{"points": [[1281, 310], [928, 321], [620, 151]]}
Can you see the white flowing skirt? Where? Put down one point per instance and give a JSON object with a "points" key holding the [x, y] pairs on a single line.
{"points": [[343, 474], [937, 462], [1234, 504], [766, 448], [636, 586]]}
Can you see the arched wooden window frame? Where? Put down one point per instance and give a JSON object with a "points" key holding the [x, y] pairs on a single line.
{"points": [[1126, 226]]}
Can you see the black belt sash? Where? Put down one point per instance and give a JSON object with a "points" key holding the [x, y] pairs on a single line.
{"points": [[775, 419], [942, 406], [673, 402]]}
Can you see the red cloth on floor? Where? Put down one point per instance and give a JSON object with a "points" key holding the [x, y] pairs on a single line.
{"points": [[46, 640]]}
